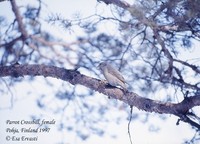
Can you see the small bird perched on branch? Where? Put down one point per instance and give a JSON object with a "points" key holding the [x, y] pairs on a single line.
{"points": [[112, 75]]}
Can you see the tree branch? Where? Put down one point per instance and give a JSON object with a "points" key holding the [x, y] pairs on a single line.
{"points": [[119, 3], [75, 77], [193, 67], [19, 19]]}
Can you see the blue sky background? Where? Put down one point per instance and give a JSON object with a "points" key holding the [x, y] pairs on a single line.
{"points": [[24, 95]]}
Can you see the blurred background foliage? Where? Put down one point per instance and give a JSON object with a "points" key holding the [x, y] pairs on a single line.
{"points": [[153, 43]]}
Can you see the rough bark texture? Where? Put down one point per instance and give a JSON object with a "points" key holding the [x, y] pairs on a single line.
{"points": [[75, 77]]}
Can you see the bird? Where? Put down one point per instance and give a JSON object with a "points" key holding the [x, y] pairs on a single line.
{"points": [[112, 75]]}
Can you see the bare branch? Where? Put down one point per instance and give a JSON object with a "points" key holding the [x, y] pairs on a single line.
{"points": [[19, 19], [119, 3], [193, 67], [75, 77]]}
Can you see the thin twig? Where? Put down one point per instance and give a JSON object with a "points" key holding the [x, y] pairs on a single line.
{"points": [[129, 133]]}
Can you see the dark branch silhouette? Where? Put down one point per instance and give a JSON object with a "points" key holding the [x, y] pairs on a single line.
{"points": [[75, 77]]}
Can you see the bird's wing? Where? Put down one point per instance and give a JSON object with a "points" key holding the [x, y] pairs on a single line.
{"points": [[116, 73]]}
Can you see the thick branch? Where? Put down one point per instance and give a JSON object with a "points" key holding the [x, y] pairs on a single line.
{"points": [[19, 19], [119, 3], [75, 77]]}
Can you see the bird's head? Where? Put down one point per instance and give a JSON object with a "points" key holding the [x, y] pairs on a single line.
{"points": [[102, 65]]}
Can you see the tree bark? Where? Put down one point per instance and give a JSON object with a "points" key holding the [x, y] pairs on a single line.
{"points": [[75, 77]]}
